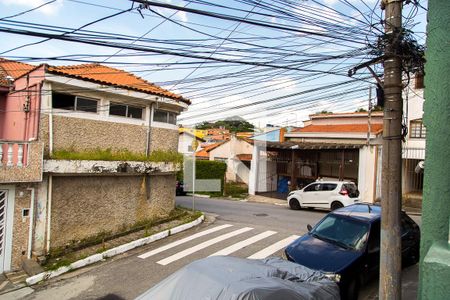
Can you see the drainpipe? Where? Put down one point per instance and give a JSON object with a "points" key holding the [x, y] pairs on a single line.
{"points": [[149, 131], [50, 132], [49, 210], [30, 231]]}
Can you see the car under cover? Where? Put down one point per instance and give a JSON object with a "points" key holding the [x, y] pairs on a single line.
{"points": [[232, 278]]}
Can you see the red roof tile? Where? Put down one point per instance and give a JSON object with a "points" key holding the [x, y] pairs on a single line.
{"points": [[205, 151], [115, 77], [244, 157], [374, 128], [12, 68]]}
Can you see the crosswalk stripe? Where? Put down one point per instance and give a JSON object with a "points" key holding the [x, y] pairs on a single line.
{"points": [[201, 246], [273, 248], [244, 243], [182, 241]]}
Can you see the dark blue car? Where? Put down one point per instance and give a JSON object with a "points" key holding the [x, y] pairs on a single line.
{"points": [[345, 245]]}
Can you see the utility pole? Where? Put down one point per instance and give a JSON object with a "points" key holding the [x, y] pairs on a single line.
{"points": [[390, 250]]}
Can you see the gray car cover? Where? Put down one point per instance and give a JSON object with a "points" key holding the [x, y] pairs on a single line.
{"points": [[232, 278]]}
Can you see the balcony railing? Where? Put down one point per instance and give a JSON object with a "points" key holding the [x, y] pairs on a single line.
{"points": [[20, 161], [13, 153]]}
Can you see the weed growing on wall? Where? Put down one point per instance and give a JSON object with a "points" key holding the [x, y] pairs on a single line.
{"points": [[121, 155]]}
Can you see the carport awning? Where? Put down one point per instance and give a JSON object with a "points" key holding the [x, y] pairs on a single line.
{"points": [[305, 146]]}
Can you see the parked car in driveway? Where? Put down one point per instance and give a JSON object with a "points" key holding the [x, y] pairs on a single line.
{"points": [[324, 194], [345, 245]]}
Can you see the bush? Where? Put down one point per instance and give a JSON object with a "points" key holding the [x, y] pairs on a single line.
{"points": [[208, 169]]}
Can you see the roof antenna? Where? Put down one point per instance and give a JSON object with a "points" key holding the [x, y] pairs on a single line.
{"points": [[370, 209]]}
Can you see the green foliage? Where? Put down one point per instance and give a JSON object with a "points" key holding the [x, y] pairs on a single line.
{"points": [[121, 155], [236, 190], [208, 169], [233, 125], [324, 112], [361, 110], [377, 108]]}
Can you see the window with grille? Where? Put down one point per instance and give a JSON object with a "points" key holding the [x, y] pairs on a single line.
{"points": [[417, 129], [165, 117], [76, 103], [124, 110]]}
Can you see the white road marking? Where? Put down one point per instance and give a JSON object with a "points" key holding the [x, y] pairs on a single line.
{"points": [[201, 246], [244, 243], [273, 248], [182, 241]]}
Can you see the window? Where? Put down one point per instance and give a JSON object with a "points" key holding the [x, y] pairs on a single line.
{"points": [[417, 129], [71, 102], [419, 82], [328, 186], [165, 117], [312, 188], [124, 110]]}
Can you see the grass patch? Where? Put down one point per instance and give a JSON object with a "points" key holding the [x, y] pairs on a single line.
{"points": [[121, 155]]}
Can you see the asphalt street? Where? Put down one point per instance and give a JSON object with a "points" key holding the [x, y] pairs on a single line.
{"points": [[237, 228]]}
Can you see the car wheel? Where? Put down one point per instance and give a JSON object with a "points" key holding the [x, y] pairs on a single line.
{"points": [[336, 205], [352, 290], [294, 204]]}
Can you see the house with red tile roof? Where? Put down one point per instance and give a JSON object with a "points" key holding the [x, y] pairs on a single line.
{"points": [[343, 146], [57, 123]]}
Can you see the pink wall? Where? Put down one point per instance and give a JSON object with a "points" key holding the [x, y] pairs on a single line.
{"points": [[15, 123]]}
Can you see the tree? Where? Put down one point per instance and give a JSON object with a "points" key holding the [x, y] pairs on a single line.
{"points": [[235, 124]]}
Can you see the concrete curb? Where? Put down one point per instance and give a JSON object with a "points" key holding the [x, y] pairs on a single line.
{"points": [[198, 195], [111, 252]]}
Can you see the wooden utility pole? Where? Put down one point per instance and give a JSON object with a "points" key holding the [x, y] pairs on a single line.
{"points": [[390, 252]]}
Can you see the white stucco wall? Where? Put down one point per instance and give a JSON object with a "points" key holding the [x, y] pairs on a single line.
{"points": [[228, 152], [184, 141]]}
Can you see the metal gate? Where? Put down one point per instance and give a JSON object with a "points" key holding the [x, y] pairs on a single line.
{"points": [[3, 203]]}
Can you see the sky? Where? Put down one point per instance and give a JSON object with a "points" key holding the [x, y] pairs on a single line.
{"points": [[268, 62]]}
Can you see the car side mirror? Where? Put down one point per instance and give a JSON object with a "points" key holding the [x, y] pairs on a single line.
{"points": [[309, 227]]}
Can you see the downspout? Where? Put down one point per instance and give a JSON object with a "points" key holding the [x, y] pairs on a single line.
{"points": [[30, 231], [49, 210], [149, 131]]}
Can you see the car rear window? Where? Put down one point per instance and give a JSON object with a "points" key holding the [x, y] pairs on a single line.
{"points": [[351, 189]]}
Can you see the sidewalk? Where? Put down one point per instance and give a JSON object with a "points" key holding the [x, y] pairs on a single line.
{"points": [[263, 199]]}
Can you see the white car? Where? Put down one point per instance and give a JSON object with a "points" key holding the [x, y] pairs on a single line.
{"points": [[324, 194]]}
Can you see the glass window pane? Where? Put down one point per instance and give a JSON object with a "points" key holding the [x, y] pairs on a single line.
{"points": [[117, 109], [172, 118], [88, 105], [134, 112], [63, 101], [160, 116]]}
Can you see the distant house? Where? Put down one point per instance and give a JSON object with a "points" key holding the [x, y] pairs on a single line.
{"points": [[188, 142], [413, 154], [343, 146], [237, 153], [48, 203]]}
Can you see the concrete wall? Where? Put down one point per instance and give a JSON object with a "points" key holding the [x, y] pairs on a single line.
{"points": [[83, 207], [164, 139], [82, 134], [434, 251], [17, 124]]}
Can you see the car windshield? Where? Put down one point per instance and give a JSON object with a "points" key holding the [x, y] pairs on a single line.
{"points": [[341, 231]]}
